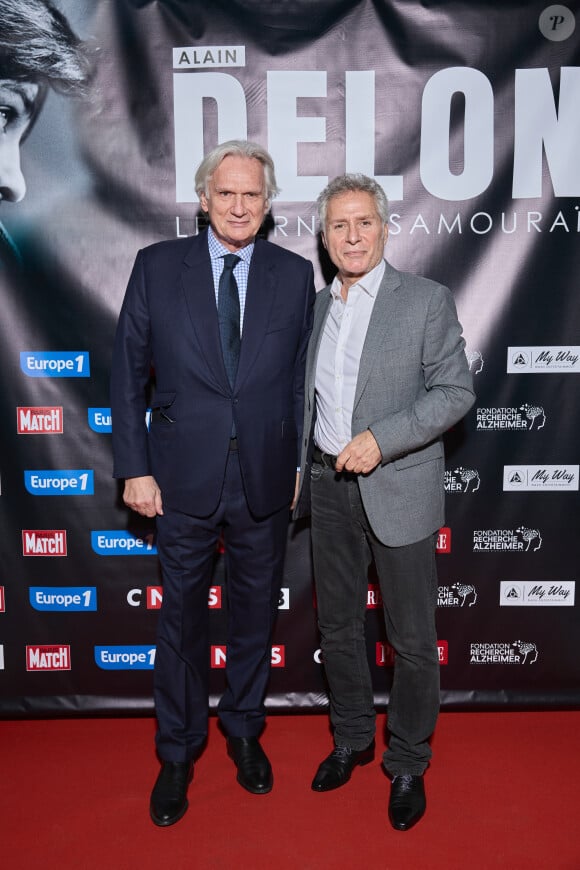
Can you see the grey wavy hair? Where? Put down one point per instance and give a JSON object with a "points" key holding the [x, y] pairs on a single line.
{"points": [[37, 44], [353, 182], [239, 148]]}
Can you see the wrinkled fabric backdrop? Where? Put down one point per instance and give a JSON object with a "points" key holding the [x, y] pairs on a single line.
{"points": [[468, 115]]}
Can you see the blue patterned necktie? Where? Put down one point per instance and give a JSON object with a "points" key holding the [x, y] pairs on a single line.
{"points": [[229, 316]]}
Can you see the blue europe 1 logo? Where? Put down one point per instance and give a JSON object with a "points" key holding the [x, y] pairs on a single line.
{"points": [[55, 364], [79, 481], [100, 420], [125, 658], [118, 543], [68, 598]]}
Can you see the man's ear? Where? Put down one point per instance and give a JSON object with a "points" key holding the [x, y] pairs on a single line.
{"points": [[203, 202], [323, 237]]}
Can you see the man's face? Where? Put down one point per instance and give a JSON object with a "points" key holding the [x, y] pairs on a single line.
{"points": [[354, 235], [17, 101], [236, 201]]}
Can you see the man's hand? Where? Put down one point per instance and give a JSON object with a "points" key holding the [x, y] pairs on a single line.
{"points": [[360, 455], [143, 495]]}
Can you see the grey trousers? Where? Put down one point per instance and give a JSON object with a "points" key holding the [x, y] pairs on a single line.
{"points": [[343, 546]]}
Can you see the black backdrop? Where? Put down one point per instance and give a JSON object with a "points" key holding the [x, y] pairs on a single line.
{"points": [[467, 112]]}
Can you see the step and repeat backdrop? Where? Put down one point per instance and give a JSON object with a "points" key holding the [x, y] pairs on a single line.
{"points": [[468, 114]]}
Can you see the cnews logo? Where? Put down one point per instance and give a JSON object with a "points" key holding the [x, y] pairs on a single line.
{"points": [[70, 482], [72, 598], [47, 364], [125, 658], [44, 542], [154, 597], [218, 656], [117, 543], [48, 658], [39, 420], [100, 419]]}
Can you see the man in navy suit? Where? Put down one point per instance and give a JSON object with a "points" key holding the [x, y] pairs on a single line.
{"points": [[221, 454]]}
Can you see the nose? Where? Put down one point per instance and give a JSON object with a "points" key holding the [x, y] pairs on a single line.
{"points": [[238, 205], [353, 234], [12, 183]]}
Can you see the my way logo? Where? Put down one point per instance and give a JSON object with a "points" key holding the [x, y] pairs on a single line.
{"points": [[70, 482], [462, 480], [39, 420], [542, 478], [520, 652], [125, 658], [44, 542], [537, 594], [100, 420], [526, 418], [53, 364], [520, 540], [532, 360], [456, 595], [65, 598], [119, 543]]}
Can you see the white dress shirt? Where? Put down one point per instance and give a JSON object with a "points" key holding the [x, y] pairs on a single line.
{"points": [[339, 358]]}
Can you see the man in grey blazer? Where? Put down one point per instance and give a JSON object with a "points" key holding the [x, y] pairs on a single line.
{"points": [[386, 376]]}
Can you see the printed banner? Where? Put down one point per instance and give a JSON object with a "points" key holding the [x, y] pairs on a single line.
{"points": [[467, 114]]}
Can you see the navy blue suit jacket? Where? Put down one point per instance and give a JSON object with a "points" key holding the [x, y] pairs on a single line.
{"points": [[168, 323]]}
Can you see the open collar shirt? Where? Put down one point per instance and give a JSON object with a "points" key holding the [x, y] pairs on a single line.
{"points": [[338, 359]]}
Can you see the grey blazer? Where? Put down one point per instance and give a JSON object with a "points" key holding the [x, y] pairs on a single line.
{"points": [[413, 384]]}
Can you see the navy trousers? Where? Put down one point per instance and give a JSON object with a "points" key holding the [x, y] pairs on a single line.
{"points": [[254, 554], [343, 545]]}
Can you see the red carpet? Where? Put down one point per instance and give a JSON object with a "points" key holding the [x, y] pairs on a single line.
{"points": [[503, 791]]}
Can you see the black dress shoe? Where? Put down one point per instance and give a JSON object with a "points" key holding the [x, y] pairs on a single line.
{"points": [[337, 768], [407, 802], [169, 795], [254, 770]]}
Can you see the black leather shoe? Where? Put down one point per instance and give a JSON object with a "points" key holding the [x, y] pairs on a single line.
{"points": [[169, 795], [407, 802], [337, 768], [254, 770]]}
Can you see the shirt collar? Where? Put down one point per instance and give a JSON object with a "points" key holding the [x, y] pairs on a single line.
{"points": [[217, 250], [370, 282]]}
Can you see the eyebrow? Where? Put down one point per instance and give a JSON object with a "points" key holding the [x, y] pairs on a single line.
{"points": [[19, 89]]}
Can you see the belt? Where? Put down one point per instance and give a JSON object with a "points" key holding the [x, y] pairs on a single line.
{"points": [[233, 443], [326, 459]]}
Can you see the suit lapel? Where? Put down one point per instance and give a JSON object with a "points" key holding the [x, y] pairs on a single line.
{"points": [[262, 288], [380, 322], [321, 309], [198, 287]]}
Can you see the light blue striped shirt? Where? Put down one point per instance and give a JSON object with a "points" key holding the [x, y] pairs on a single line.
{"points": [[217, 252]]}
